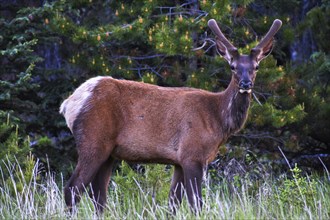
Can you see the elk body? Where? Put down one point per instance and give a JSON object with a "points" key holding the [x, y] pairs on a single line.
{"points": [[117, 119]]}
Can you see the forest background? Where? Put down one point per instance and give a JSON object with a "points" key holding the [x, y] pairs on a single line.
{"points": [[48, 48]]}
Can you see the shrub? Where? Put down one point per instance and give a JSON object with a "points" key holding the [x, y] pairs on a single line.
{"points": [[298, 191]]}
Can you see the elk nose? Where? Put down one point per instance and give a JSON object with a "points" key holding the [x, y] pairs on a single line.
{"points": [[245, 84]]}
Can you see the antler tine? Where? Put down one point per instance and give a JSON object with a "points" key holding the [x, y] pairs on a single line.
{"points": [[216, 30], [270, 34]]}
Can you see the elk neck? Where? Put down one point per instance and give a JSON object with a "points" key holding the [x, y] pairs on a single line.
{"points": [[234, 108]]}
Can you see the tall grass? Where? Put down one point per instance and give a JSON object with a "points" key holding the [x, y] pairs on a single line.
{"points": [[41, 197]]}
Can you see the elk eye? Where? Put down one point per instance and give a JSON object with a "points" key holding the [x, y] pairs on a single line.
{"points": [[232, 67], [257, 67]]}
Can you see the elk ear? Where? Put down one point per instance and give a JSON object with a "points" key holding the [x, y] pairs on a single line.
{"points": [[228, 54], [260, 53]]}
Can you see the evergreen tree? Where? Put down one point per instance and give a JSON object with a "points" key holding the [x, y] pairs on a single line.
{"points": [[18, 61], [155, 41]]}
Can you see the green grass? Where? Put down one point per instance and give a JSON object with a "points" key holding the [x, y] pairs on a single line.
{"points": [[41, 197]]}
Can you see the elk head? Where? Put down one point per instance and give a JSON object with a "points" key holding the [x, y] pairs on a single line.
{"points": [[244, 67]]}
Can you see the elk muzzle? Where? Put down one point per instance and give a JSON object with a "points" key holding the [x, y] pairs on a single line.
{"points": [[245, 86]]}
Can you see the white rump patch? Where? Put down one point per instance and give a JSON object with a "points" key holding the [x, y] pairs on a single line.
{"points": [[72, 106]]}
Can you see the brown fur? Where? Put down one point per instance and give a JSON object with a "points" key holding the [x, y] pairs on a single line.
{"points": [[138, 122]]}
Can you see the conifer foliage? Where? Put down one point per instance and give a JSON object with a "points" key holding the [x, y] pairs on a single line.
{"points": [[48, 50]]}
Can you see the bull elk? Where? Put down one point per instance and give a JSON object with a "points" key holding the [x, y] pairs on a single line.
{"points": [[138, 122]]}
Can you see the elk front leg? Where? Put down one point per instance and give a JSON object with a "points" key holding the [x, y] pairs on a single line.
{"points": [[193, 174], [176, 190]]}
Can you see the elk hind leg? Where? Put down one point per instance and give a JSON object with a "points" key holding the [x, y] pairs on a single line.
{"points": [[100, 184], [87, 167]]}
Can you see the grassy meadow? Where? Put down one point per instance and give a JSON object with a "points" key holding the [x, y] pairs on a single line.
{"points": [[36, 194]]}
